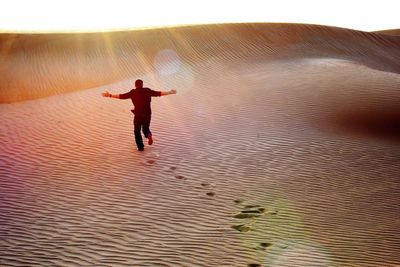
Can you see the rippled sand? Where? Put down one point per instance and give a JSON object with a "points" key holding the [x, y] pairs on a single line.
{"points": [[281, 148]]}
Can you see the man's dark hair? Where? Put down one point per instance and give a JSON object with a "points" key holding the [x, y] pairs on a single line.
{"points": [[138, 83]]}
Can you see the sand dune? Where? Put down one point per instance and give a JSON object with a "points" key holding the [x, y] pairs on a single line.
{"points": [[37, 65], [280, 149]]}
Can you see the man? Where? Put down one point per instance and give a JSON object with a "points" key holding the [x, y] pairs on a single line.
{"points": [[141, 98]]}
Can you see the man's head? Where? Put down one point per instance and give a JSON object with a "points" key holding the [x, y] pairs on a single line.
{"points": [[139, 83]]}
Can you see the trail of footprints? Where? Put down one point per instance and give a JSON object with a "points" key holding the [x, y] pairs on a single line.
{"points": [[203, 184], [249, 214]]}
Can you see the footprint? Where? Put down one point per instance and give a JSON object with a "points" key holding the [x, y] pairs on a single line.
{"points": [[180, 177], [243, 228], [258, 210], [150, 158], [169, 169], [250, 211], [149, 162], [241, 215], [283, 246], [264, 245]]}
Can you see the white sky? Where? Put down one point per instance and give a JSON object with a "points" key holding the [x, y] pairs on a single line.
{"points": [[92, 15]]}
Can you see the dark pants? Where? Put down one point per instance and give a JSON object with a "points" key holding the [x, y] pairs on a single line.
{"points": [[141, 122]]}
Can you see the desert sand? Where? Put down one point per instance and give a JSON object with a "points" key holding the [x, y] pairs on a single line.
{"points": [[281, 148]]}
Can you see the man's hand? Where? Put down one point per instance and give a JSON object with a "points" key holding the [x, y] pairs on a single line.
{"points": [[106, 94], [170, 92]]}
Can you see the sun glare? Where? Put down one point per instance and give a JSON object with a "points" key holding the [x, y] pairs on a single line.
{"points": [[96, 15]]}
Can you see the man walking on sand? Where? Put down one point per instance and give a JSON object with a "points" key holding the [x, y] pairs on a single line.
{"points": [[141, 98]]}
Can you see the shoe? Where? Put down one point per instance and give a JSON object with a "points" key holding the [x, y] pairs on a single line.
{"points": [[150, 139], [140, 148]]}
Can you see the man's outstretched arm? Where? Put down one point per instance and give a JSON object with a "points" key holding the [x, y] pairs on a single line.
{"points": [[170, 92], [107, 94]]}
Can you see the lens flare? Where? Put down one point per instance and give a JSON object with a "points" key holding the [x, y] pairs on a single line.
{"points": [[299, 253], [172, 72]]}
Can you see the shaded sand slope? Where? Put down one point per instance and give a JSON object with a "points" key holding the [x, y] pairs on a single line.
{"points": [[256, 162], [394, 32], [37, 65]]}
